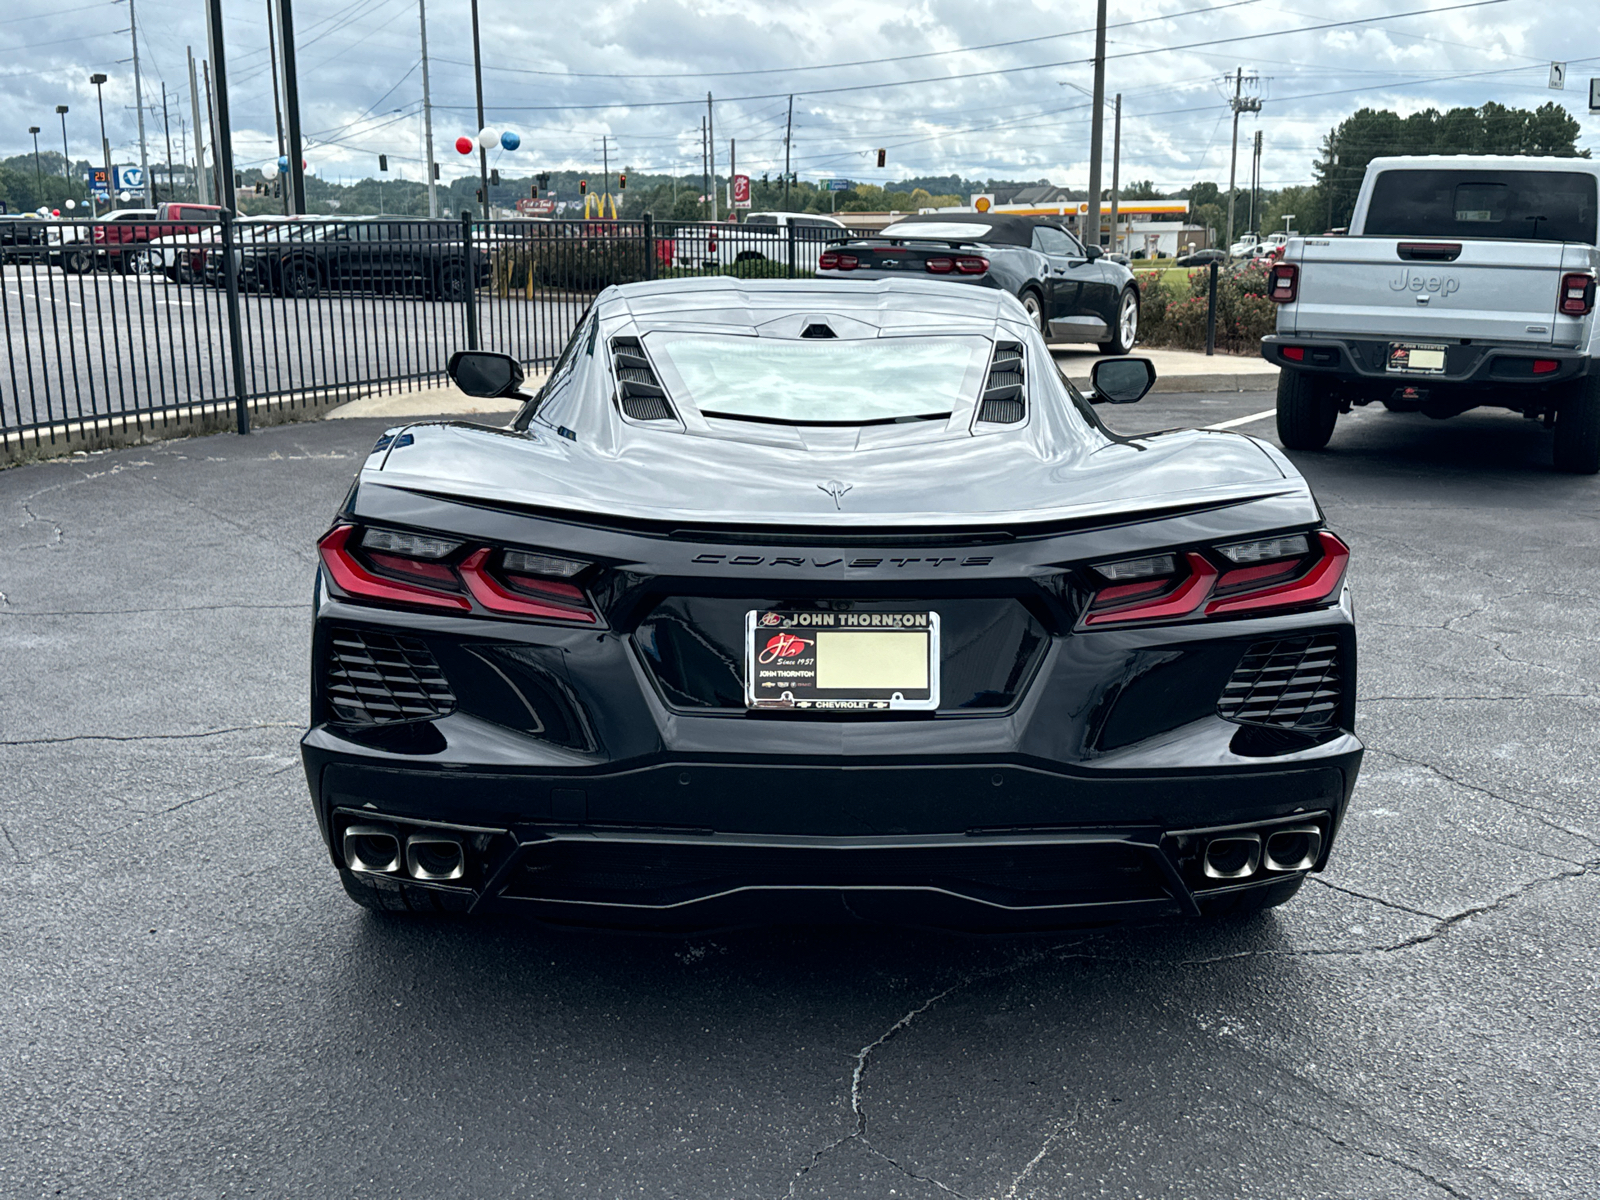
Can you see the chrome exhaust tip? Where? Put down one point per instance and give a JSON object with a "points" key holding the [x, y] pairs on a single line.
{"points": [[371, 849], [434, 858], [1233, 857], [1294, 849]]}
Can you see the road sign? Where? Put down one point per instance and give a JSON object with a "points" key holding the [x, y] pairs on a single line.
{"points": [[1558, 76], [1594, 95], [837, 185]]}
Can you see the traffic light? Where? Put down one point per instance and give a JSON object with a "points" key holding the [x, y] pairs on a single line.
{"points": [[494, 177], [544, 181], [383, 162], [436, 170], [583, 187], [883, 156], [622, 181], [478, 194]]}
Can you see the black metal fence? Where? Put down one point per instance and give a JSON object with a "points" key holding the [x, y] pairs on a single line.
{"points": [[141, 322]]}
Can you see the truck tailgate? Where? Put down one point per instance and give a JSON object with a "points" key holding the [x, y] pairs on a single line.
{"points": [[1404, 288]]}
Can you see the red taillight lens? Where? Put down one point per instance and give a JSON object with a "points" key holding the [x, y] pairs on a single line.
{"points": [[940, 266], [1295, 353], [1577, 294], [832, 260], [1172, 602], [1318, 585], [1283, 284], [1545, 366], [711, 242], [828, 261], [352, 577], [563, 603], [971, 264]]}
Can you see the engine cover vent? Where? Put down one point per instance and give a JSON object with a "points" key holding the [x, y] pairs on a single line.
{"points": [[639, 392], [1004, 392]]}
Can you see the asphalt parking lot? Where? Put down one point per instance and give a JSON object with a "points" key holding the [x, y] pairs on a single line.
{"points": [[194, 1009]]}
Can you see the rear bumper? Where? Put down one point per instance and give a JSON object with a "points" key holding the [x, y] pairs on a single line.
{"points": [[1471, 365]]}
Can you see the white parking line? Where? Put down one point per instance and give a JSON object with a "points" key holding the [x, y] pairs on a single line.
{"points": [[1260, 416]]}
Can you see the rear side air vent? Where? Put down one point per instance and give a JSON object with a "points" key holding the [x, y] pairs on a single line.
{"points": [[1004, 394], [638, 390], [374, 678], [1291, 683]]}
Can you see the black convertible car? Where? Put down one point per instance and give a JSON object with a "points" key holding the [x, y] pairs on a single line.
{"points": [[830, 600], [1072, 293]]}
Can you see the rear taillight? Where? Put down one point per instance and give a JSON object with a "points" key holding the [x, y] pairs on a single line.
{"points": [[1577, 294], [1295, 353], [1261, 576], [1545, 366], [940, 266], [711, 242], [971, 264], [1283, 283], [832, 260], [420, 571]]}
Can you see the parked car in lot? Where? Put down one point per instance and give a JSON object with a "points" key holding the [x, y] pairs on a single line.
{"points": [[71, 245], [1464, 282], [1200, 258], [831, 600], [1071, 292], [22, 237], [1245, 246], [762, 236], [372, 254], [121, 238]]}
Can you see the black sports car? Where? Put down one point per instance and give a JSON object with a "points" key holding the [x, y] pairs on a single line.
{"points": [[832, 600], [1072, 293]]}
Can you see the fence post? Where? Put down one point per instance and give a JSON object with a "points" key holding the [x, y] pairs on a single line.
{"points": [[789, 227], [472, 279], [649, 246], [1211, 311], [230, 275]]}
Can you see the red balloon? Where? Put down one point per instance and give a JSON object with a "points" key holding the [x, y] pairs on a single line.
{"points": [[55, 212], [464, 145]]}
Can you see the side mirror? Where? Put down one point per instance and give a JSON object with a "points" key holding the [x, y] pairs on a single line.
{"points": [[1093, 252], [1121, 380], [484, 374]]}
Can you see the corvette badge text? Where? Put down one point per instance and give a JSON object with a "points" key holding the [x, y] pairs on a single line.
{"points": [[757, 560]]}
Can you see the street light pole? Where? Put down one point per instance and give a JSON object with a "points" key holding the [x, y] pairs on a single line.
{"points": [[427, 115], [291, 106], [138, 107], [1097, 131], [38, 175], [223, 130], [61, 110], [105, 147], [477, 78]]}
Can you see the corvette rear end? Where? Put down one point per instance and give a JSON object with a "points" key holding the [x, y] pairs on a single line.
{"points": [[722, 632]]}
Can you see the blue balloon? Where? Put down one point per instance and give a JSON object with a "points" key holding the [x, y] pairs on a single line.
{"points": [[510, 140], [283, 162]]}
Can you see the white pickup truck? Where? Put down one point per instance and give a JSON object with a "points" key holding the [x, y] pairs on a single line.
{"points": [[1465, 282]]}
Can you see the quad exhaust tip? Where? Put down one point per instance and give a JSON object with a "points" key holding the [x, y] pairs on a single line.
{"points": [[1294, 849], [434, 858], [371, 849], [1233, 857]]}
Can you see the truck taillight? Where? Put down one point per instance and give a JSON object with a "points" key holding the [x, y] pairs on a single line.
{"points": [[1283, 283], [1577, 294]]}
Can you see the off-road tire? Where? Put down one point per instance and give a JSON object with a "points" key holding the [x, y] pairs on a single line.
{"points": [[1306, 412], [1252, 900], [1034, 303], [1577, 444], [1126, 330], [389, 895], [301, 281]]}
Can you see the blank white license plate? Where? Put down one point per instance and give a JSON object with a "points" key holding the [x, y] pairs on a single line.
{"points": [[841, 660], [1416, 358]]}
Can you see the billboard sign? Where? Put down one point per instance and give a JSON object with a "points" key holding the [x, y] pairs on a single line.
{"points": [[741, 191], [527, 207], [128, 179], [837, 185], [98, 183]]}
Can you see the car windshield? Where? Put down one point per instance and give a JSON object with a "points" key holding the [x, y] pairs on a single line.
{"points": [[821, 381], [1523, 206]]}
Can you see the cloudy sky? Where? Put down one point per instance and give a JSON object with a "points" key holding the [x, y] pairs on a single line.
{"points": [[980, 89]]}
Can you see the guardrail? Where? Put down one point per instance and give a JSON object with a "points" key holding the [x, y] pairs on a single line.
{"points": [[151, 324]]}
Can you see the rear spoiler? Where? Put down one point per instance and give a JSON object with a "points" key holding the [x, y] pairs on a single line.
{"points": [[953, 243]]}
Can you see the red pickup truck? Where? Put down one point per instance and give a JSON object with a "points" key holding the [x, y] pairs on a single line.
{"points": [[118, 241]]}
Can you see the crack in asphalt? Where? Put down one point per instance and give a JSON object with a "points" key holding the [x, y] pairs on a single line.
{"points": [[57, 534], [129, 612], [151, 737], [1394, 904], [1343, 1144], [1049, 1144]]}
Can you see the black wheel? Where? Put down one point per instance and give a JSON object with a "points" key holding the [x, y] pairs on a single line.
{"points": [[301, 281], [139, 262], [78, 262], [453, 284], [1126, 331], [1577, 446], [389, 895], [1035, 306], [1306, 412], [1254, 900], [749, 256]]}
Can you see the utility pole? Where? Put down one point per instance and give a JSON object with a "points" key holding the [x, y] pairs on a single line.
{"points": [[218, 194], [99, 82], [183, 145], [277, 106], [605, 165], [291, 108], [711, 152], [1333, 161], [38, 175], [202, 193], [427, 115], [138, 107], [1116, 168], [788, 132], [1097, 122], [705, 171], [1255, 184], [477, 75], [733, 169], [166, 126], [1240, 104]]}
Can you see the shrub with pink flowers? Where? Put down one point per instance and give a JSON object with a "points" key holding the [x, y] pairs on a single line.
{"points": [[1178, 321]]}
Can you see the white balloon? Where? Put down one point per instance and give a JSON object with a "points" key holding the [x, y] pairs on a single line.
{"points": [[123, 196], [270, 171], [488, 138], [71, 204]]}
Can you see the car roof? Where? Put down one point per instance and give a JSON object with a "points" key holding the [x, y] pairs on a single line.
{"points": [[725, 300], [1005, 229]]}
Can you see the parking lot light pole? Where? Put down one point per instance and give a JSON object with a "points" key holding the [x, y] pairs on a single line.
{"points": [[38, 175], [105, 147], [61, 111], [1097, 122]]}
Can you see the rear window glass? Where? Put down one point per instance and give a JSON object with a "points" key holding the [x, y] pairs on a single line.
{"points": [[1528, 206], [821, 381], [942, 230]]}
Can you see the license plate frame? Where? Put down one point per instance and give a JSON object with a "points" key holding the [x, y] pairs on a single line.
{"points": [[787, 675], [1402, 357]]}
